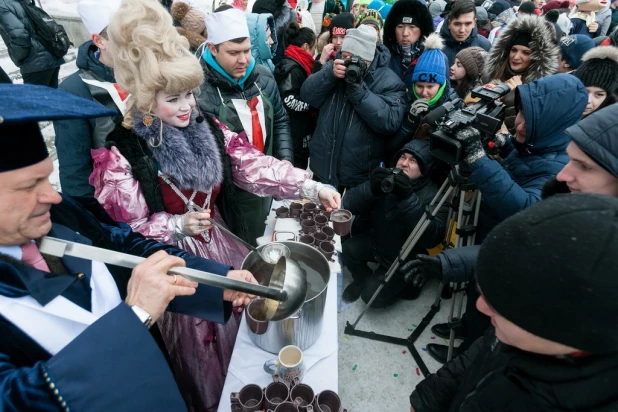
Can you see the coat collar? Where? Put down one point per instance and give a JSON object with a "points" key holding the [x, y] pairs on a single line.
{"points": [[21, 280]]}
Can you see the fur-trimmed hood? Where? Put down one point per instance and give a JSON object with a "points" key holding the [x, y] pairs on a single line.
{"points": [[544, 57]]}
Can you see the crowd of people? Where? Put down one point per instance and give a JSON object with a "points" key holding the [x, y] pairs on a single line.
{"points": [[176, 118]]}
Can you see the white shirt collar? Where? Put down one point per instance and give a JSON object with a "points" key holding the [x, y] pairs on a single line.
{"points": [[13, 251]]}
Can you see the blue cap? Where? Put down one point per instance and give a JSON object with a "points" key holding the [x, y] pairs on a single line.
{"points": [[22, 106], [574, 47]]}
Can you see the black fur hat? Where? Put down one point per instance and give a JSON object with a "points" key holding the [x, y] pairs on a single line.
{"points": [[407, 9]]}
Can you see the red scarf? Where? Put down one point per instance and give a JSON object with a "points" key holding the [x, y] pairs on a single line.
{"points": [[301, 56]]}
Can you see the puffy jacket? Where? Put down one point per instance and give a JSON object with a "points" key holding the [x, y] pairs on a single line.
{"points": [[259, 40], [392, 220], [518, 182], [453, 46], [216, 96], [290, 77], [354, 124], [75, 138], [492, 376], [18, 32]]}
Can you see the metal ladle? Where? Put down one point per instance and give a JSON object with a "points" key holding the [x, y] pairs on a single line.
{"points": [[285, 293]]}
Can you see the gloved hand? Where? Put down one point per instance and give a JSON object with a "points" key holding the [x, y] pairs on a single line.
{"points": [[419, 107], [420, 269], [377, 177], [402, 187], [470, 138]]}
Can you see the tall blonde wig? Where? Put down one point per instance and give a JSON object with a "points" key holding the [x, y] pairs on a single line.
{"points": [[149, 55]]}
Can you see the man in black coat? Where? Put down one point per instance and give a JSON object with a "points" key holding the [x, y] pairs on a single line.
{"points": [[36, 64], [459, 30], [543, 277], [393, 201], [357, 115]]}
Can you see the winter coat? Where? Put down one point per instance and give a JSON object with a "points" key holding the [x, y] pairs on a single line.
{"points": [[354, 124], [517, 183], [543, 60], [580, 27], [290, 76], [452, 46], [283, 15], [217, 93], [75, 138], [259, 40], [493, 376], [396, 62], [416, 127], [393, 220], [18, 34]]}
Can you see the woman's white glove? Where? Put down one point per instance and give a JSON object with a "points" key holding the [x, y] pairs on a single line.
{"points": [[320, 193], [190, 224]]}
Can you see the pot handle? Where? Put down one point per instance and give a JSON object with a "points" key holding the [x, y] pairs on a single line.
{"points": [[297, 314]]}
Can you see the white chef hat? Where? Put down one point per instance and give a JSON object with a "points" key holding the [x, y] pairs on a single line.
{"points": [[226, 25], [96, 14]]}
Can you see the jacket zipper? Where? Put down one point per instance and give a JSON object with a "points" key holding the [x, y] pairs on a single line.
{"points": [[332, 153]]}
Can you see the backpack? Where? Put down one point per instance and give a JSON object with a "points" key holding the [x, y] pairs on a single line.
{"points": [[49, 33]]}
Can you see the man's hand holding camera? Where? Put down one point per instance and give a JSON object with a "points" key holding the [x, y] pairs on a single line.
{"points": [[385, 180], [339, 68]]}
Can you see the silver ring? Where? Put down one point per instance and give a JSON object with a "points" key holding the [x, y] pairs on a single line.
{"points": [[200, 224]]}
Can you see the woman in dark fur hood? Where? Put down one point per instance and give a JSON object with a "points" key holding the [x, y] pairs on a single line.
{"points": [[168, 170], [407, 26], [525, 51]]}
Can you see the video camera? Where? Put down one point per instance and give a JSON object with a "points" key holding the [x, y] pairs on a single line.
{"points": [[355, 69], [486, 116]]}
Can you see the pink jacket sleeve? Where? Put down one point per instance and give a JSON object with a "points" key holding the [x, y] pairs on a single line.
{"points": [[120, 194], [265, 175]]}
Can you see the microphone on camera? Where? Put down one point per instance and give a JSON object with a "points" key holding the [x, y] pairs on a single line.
{"points": [[440, 111]]}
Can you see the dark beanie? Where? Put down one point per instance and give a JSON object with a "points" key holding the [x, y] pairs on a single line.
{"points": [[599, 68], [596, 135], [341, 23], [551, 270], [527, 8], [264, 6], [522, 39]]}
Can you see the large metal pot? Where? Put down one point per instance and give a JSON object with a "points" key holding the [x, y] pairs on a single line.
{"points": [[304, 327]]}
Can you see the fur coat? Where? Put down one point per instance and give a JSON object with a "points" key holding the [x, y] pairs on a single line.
{"points": [[543, 60]]}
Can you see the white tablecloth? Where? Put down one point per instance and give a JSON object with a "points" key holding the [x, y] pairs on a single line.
{"points": [[320, 359]]}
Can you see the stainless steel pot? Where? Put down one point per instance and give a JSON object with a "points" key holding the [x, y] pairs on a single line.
{"points": [[304, 327]]}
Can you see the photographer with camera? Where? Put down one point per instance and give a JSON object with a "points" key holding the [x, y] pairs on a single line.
{"points": [[554, 342], [361, 103], [392, 201], [537, 154]]}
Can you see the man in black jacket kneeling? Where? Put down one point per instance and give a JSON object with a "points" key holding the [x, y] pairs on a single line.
{"points": [[545, 277], [391, 203]]}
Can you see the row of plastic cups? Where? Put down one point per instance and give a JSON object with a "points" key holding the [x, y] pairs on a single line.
{"points": [[278, 397]]}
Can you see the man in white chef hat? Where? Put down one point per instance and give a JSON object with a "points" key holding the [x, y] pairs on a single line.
{"points": [[93, 81]]}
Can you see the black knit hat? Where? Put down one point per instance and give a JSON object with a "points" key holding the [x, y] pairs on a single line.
{"points": [[596, 136], [407, 9], [342, 22], [599, 68], [551, 270]]}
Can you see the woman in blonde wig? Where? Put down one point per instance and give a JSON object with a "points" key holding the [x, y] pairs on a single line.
{"points": [[167, 170]]}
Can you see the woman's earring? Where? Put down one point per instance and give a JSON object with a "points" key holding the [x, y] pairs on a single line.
{"points": [[147, 120], [152, 142]]}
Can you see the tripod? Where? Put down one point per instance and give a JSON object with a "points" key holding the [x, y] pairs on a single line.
{"points": [[467, 213]]}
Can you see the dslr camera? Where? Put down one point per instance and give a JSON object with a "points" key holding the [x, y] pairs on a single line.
{"points": [[389, 181], [486, 116], [355, 69]]}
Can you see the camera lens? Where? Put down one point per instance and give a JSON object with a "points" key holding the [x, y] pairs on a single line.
{"points": [[387, 184]]}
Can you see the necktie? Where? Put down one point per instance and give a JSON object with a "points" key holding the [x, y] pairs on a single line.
{"points": [[258, 138], [32, 256], [78, 292]]}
